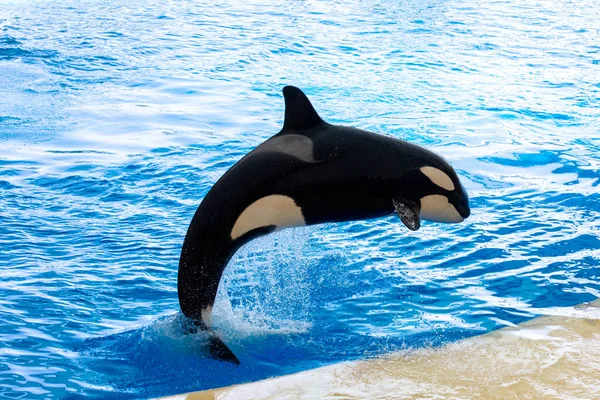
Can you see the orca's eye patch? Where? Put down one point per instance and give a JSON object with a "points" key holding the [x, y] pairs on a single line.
{"points": [[438, 177]]}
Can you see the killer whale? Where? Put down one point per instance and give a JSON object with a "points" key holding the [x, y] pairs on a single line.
{"points": [[311, 172]]}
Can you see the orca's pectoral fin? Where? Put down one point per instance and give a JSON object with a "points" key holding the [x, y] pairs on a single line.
{"points": [[408, 211], [219, 350]]}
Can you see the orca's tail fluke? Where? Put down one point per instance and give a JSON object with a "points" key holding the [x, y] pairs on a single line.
{"points": [[216, 348], [219, 350]]}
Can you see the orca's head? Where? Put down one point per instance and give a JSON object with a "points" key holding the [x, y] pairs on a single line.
{"points": [[431, 192]]}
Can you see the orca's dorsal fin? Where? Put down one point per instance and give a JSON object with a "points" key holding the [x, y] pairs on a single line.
{"points": [[299, 113]]}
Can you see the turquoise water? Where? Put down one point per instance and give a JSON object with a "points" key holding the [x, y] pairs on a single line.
{"points": [[117, 117]]}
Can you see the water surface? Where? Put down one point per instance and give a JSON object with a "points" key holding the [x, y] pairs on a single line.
{"points": [[116, 117]]}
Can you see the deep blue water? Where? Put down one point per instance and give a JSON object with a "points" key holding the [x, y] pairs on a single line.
{"points": [[116, 117]]}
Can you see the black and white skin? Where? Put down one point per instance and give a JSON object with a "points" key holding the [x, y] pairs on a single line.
{"points": [[311, 172]]}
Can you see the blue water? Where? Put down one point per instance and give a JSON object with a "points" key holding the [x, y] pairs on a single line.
{"points": [[116, 117]]}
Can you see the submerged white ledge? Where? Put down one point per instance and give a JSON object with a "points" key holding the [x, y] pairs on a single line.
{"points": [[549, 357]]}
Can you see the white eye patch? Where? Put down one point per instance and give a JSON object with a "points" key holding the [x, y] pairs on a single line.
{"points": [[278, 210], [438, 177]]}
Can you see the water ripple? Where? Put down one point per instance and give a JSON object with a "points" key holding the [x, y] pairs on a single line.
{"points": [[117, 117]]}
